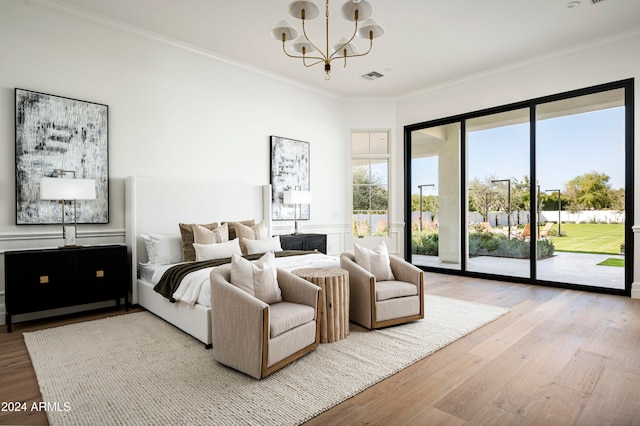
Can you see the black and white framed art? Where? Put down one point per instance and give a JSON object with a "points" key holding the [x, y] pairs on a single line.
{"points": [[55, 133], [290, 170]]}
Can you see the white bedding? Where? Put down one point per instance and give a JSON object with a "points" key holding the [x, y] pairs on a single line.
{"points": [[193, 290]]}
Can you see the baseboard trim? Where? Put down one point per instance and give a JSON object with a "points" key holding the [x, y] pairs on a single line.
{"points": [[635, 290]]}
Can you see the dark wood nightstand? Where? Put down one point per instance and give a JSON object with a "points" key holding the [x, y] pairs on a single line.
{"points": [[308, 242], [39, 280]]}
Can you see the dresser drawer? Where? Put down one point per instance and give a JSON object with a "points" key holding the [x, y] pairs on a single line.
{"points": [[98, 277], [36, 282]]}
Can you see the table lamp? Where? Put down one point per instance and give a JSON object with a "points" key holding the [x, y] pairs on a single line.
{"points": [[297, 197], [66, 189]]}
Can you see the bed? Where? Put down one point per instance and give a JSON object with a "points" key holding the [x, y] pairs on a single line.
{"points": [[157, 205]]}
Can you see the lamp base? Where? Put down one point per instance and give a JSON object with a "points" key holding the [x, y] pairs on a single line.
{"points": [[296, 231], [70, 236]]}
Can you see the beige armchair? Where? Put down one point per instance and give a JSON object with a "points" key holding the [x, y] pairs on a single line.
{"points": [[376, 304], [256, 338]]}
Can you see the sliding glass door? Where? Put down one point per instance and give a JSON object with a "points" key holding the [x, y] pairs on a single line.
{"points": [[498, 193], [435, 197], [580, 161], [537, 191]]}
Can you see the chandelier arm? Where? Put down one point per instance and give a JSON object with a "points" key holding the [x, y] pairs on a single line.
{"points": [[300, 56], [332, 57], [319, 60], [359, 54], [304, 31]]}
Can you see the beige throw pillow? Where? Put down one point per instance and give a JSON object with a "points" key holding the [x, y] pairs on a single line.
{"points": [[202, 235], [259, 279], [186, 231], [375, 261], [255, 232], [232, 227]]}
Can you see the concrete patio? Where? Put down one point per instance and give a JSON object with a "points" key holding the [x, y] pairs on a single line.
{"points": [[563, 267]]}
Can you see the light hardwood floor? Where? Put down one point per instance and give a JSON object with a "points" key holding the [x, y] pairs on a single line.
{"points": [[559, 357]]}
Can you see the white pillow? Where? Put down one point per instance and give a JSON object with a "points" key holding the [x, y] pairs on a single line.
{"points": [[217, 250], [262, 246], [259, 279], [163, 249], [375, 261]]}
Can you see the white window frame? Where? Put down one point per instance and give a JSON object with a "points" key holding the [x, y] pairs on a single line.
{"points": [[389, 158]]}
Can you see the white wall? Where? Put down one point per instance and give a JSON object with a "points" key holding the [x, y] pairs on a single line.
{"points": [[608, 61], [172, 112]]}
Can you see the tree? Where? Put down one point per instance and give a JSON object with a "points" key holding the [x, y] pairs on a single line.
{"points": [[429, 203], [617, 199], [590, 191], [369, 192], [482, 196]]}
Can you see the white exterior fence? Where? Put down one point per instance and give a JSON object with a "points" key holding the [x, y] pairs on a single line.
{"points": [[431, 220]]}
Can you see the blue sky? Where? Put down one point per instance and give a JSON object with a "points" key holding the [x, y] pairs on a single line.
{"points": [[567, 147]]}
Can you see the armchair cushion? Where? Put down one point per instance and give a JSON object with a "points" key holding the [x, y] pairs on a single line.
{"points": [[285, 316], [259, 279], [374, 261], [386, 290]]}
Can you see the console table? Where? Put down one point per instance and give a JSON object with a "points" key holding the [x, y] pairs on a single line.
{"points": [[39, 280], [308, 242], [333, 311]]}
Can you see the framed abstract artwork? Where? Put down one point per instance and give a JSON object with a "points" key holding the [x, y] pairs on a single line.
{"points": [[55, 134], [289, 171]]}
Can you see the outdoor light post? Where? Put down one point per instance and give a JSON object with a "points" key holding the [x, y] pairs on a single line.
{"points": [[538, 210], [420, 187], [508, 204], [559, 206]]}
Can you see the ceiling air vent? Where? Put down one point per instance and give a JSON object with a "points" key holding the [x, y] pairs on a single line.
{"points": [[596, 1], [373, 75]]}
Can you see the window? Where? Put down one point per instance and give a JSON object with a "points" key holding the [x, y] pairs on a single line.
{"points": [[370, 179]]}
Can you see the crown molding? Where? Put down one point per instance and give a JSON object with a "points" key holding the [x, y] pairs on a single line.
{"points": [[170, 43], [524, 63]]}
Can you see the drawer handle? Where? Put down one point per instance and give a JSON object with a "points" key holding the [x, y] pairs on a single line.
{"points": [[44, 279], [100, 273]]}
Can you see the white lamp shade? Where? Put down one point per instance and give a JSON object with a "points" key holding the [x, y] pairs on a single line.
{"points": [[339, 48], [67, 189], [285, 28], [309, 7], [301, 42], [297, 197], [363, 7], [370, 26]]}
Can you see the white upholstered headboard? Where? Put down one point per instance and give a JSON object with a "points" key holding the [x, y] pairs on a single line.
{"points": [[157, 205]]}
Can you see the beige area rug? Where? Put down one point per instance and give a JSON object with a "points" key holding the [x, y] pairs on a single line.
{"points": [[136, 369]]}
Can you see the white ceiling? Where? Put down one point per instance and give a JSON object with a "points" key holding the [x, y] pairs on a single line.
{"points": [[426, 42]]}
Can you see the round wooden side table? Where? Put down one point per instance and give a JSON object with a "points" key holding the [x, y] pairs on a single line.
{"points": [[334, 306]]}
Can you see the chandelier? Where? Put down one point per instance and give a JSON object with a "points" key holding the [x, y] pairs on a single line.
{"points": [[357, 11]]}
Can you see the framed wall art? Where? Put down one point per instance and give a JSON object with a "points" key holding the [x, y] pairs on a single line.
{"points": [[55, 133], [289, 171]]}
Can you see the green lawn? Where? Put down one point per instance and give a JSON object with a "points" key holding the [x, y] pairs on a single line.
{"points": [[612, 262], [589, 238]]}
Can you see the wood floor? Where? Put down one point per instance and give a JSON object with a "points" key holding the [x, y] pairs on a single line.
{"points": [[559, 357]]}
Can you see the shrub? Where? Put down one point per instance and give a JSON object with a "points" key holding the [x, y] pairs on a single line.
{"points": [[424, 243], [497, 245], [482, 244]]}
